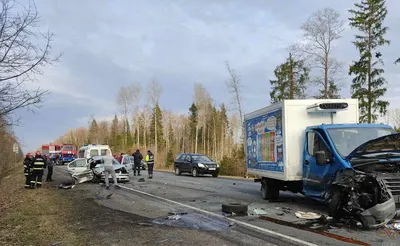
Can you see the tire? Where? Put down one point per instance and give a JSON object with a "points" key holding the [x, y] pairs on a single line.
{"points": [[237, 208], [177, 171], [335, 206], [268, 191], [195, 173], [215, 175]]}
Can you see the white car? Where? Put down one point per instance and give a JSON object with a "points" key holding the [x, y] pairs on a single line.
{"points": [[92, 169], [128, 162]]}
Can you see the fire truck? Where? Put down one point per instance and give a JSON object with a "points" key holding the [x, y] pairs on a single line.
{"points": [[68, 153], [53, 151]]}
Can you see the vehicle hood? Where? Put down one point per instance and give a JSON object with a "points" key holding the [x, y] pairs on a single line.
{"points": [[207, 162], [385, 144]]}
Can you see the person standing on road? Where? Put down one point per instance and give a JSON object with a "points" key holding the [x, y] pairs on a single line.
{"points": [[27, 170], [109, 169], [150, 163], [39, 164], [138, 157], [50, 165]]}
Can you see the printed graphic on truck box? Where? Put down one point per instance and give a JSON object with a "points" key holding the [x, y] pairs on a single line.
{"points": [[264, 142]]}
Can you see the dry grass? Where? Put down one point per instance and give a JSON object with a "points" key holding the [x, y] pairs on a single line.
{"points": [[34, 217]]}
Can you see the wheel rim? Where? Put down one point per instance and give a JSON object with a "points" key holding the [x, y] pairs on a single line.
{"points": [[177, 170], [194, 172]]}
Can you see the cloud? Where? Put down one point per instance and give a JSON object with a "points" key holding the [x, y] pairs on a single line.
{"points": [[109, 44]]}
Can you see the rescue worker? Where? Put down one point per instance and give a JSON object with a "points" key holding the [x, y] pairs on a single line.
{"points": [[38, 166], [138, 157], [50, 165], [150, 163], [27, 170]]}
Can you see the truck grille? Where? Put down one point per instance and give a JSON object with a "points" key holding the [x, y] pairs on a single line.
{"points": [[392, 183]]}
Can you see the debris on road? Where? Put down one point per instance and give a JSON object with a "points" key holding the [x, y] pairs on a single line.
{"points": [[66, 186], [174, 217], [280, 213], [308, 215], [237, 208], [145, 224], [197, 221], [393, 225], [228, 214], [141, 180], [109, 196], [259, 211]]}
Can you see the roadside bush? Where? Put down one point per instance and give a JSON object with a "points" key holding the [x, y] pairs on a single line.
{"points": [[234, 165], [170, 159], [8, 158]]}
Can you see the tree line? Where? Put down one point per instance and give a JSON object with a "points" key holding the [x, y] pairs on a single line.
{"points": [[207, 128], [311, 63]]}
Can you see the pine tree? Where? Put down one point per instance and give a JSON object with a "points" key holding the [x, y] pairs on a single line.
{"points": [[369, 84], [291, 80], [193, 118], [160, 139], [115, 138], [93, 131], [129, 137], [332, 92]]}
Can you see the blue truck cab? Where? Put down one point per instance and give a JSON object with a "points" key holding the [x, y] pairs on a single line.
{"points": [[354, 168]]}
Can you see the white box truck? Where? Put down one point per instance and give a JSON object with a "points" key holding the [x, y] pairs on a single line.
{"points": [[318, 148]]}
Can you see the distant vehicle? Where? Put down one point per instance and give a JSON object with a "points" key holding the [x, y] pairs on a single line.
{"points": [[195, 164], [82, 165], [68, 153], [90, 150], [52, 150], [128, 162]]}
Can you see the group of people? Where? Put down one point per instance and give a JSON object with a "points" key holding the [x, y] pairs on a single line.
{"points": [[137, 156], [34, 167]]}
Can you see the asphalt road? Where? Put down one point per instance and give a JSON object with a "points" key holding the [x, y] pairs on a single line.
{"points": [[201, 198]]}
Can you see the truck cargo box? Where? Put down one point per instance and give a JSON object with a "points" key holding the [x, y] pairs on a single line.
{"points": [[275, 134]]}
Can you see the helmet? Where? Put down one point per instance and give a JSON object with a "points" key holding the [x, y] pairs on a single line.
{"points": [[38, 153]]}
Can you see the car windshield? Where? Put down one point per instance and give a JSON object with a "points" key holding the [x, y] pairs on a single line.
{"points": [[348, 139], [201, 158]]}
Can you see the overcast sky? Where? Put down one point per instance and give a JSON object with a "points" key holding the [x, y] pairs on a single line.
{"points": [[108, 44]]}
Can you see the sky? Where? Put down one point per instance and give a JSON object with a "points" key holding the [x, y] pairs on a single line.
{"points": [[110, 44]]}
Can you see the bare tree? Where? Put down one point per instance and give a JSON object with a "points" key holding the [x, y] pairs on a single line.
{"points": [[21, 57], [234, 86], [137, 89], [395, 117], [125, 100], [320, 30], [154, 91]]}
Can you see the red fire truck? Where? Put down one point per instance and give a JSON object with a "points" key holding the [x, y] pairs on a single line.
{"points": [[60, 153], [68, 153]]}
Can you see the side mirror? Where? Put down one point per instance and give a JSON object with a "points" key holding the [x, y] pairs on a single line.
{"points": [[321, 158]]}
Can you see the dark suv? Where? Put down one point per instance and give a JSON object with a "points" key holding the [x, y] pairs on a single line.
{"points": [[195, 164]]}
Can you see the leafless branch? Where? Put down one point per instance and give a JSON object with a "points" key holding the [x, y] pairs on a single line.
{"points": [[21, 56]]}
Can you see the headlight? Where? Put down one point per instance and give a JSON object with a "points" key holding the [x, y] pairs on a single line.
{"points": [[217, 165], [201, 165]]}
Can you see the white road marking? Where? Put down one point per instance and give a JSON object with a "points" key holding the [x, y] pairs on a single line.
{"points": [[221, 216]]}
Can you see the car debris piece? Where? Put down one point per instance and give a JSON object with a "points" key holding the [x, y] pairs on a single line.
{"points": [[141, 180], [259, 211], [84, 176], [174, 217], [109, 196], [145, 224], [308, 215], [280, 213], [66, 186], [177, 213], [237, 208]]}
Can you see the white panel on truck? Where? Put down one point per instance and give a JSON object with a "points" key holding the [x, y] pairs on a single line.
{"points": [[275, 135]]}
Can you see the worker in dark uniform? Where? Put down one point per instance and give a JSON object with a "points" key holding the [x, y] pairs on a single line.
{"points": [[138, 157], [27, 170], [150, 163], [50, 165], [38, 166]]}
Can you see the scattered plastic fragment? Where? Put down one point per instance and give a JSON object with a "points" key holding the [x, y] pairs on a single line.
{"points": [[308, 215], [174, 217], [259, 211]]}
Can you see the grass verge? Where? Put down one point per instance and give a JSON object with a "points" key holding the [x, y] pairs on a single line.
{"points": [[34, 217]]}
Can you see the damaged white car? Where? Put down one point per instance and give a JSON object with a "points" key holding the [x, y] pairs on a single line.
{"points": [[371, 189], [92, 169]]}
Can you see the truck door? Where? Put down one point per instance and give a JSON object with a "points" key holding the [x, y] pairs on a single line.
{"points": [[316, 177]]}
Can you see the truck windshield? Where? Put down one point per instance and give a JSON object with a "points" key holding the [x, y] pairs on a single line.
{"points": [[68, 148], [348, 139]]}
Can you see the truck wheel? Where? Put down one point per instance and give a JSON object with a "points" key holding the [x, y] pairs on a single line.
{"points": [[335, 206], [237, 208], [268, 190]]}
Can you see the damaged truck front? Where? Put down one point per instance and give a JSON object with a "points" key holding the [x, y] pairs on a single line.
{"points": [[318, 148], [370, 189]]}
